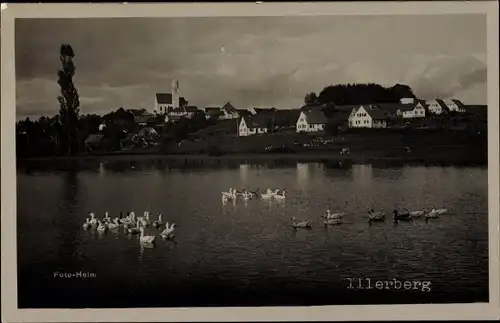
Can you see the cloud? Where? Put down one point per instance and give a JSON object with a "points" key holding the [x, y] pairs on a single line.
{"points": [[266, 60], [444, 77]]}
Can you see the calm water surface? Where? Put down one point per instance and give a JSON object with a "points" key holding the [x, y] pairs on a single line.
{"points": [[248, 253]]}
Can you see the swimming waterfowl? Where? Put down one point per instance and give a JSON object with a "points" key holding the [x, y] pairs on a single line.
{"points": [[332, 221], [159, 222], [300, 224], [281, 196], [169, 231], [87, 224], [376, 216], [146, 239], [330, 215], [114, 225], [102, 227], [135, 230], [401, 217], [93, 219]]}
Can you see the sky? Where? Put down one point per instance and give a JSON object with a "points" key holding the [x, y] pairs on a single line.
{"points": [[249, 61]]}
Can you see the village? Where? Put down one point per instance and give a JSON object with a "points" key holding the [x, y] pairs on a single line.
{"points": [[267, 129]]}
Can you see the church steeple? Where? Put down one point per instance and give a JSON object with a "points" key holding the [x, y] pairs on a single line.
{"points": [[175, 93]]}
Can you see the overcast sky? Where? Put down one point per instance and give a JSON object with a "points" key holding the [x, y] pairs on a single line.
{"points": [[250, 61]]}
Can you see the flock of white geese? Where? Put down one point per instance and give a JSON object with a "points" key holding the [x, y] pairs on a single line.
{"points": [[132, 225], [330, 218]]}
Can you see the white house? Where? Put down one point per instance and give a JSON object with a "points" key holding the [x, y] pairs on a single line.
{"points": [[407, 100], [437, 106], [185, 111], [455, 105], [253, 125], [311, 121], [166, 102], [410, 111], [229, 112], [225, 111], [368, 117]]}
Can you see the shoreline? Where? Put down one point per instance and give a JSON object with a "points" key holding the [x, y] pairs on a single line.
{"points": [[437, 157]]}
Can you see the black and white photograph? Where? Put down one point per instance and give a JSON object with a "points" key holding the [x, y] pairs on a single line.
{"points": [[256, 159]]}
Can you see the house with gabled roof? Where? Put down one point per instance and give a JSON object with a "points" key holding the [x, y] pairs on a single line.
{"points": [[369, 116], [455, 105], [437, 106], [224, 111], [182, 112], [312, 120], [254, 125]]}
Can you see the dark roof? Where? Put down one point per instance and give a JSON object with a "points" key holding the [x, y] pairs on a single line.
{"points": [[442, 104], [459, 103], [212, 110], [191, 108], [376, 112], [243, 112], [178, 110], [94, 138], [286, 117], [263, 110], [311, 106], [315, 116], [257, 121], [228, 107], [164, 98]]}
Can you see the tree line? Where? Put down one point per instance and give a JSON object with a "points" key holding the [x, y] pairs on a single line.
{"points": [[353, 94]]}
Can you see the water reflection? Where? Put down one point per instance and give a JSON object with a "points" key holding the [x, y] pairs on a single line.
{"points": [[362, 175], [228, 239], [303, 171]]}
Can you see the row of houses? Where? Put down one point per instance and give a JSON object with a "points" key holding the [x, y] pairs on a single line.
{"points": [[313, 117]]}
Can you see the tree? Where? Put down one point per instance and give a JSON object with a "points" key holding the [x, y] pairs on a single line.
{"points": [[310, 98], [347, 94], [69, 99]]}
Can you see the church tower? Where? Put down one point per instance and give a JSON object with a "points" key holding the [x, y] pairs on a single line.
{"points": [[175, 94]]}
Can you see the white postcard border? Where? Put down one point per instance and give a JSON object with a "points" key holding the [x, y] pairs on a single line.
{"points": [[10, 313]]}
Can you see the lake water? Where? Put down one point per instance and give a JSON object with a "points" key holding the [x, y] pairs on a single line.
{"points": [[248, 253]]}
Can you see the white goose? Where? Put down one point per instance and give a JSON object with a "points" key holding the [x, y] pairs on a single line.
{"points": [[268, 195], [281, 196], [376, 216], [93, 219], [300, 224], [330, 215], [231, 194], [159, 222], [332, 221], [145, 219], [106, 218], [125, 219], [102, 227], [431, 214], [87, 224], [114, 225], [146, 239], [168, 233], [439, 211], [417, 213], [136, 229]]}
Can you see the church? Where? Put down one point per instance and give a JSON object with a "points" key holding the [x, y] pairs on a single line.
{"points": [[168, 102]]}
